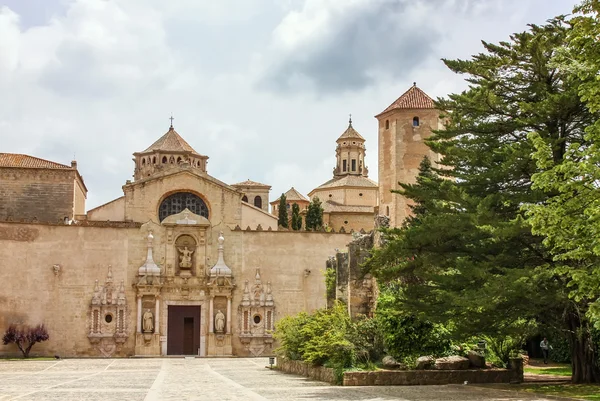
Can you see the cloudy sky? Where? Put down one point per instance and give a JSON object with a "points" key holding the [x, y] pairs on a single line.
{"points": [[263, 87]]}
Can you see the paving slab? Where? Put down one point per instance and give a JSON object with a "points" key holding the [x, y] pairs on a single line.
{"points": [[165, 379]]}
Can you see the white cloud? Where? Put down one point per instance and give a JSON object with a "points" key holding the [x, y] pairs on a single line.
{"points": [[99, 78]]}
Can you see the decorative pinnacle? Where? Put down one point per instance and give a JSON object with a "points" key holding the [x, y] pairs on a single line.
{"points": [[171, 118], [414, 84], [350, 120]]}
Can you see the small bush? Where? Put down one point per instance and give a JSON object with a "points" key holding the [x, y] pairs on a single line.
{"points": [[25, 337]]}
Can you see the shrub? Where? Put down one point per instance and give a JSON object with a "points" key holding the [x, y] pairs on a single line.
{"points": [[25, 337], [288, 333]]}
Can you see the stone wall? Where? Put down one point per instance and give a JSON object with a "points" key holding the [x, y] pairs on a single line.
{"points": [[38, 194], [306, 369], [435, 377]]}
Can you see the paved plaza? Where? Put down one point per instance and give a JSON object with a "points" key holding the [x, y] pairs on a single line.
{"points": [[200, 379]]}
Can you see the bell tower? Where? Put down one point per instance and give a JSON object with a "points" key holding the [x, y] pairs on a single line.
{"points": [[350, 154], [403, 128]]}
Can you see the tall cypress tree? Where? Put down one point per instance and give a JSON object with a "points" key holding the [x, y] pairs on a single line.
{"points": [[296, 218], [314, 215], [283, 213], [468, 257]]}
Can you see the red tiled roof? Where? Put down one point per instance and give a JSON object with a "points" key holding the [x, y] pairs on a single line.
{"points": [[26, 161], [414, 98], [171, 142], [292, 195], [249, 183]]}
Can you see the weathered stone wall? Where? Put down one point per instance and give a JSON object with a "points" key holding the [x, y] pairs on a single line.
{"points": [[33, 293], [253, 217], [305, 369], [429, 377], [401, 149], [42, 194], [351, 221], [112, 211]]}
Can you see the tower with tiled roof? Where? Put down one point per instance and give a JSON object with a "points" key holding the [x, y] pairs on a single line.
{"points": [[255, 193], [170, 149], [403, 127], [350, 153]]}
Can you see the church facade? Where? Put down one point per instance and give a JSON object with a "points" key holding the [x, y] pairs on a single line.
{"points": [[181, 264]]}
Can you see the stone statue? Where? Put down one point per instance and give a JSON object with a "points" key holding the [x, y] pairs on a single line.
{"points": [[219, 321], [147, 321], [185, 260]]}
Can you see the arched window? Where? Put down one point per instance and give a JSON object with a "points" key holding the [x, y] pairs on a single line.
{"points": [[258, 202], [178, 160], [176, 203], [245, 199], [154, 160], [172, 160], [387, 124], [164, 159], [415, 121], [387, 210], [143, 162]]}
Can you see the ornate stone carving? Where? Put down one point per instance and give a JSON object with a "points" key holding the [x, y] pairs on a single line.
{"points": [[148, 322], [257, 316], [185, 259], [219, 322], [107, 316]]}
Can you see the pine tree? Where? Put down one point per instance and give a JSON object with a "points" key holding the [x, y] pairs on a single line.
{"points": [[296, 218], [283, 212], [468, 258], [314, 215]]}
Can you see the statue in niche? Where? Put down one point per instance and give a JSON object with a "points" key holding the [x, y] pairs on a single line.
{"points": [[219, 321], [185, 260], [148, 321]]}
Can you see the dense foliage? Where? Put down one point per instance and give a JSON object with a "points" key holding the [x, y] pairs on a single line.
{"points": [[25, 337], [314, 215], [296, 218], [468, 258], [283, 212]]}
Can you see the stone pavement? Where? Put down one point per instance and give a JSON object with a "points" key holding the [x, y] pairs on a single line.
{"points": [[201, 379]]}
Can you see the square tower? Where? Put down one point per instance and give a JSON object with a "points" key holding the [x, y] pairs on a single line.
{"points": [[403, 128]]}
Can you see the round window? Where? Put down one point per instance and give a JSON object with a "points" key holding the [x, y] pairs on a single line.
{"points": [[108, 318], [360, 194], [257, 319], [346, 222]]}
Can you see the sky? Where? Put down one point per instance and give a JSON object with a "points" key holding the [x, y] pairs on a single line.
{"points": [[262, 87]]}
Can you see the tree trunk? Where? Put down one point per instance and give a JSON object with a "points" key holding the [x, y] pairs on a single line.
{"points": [[584, 353]]}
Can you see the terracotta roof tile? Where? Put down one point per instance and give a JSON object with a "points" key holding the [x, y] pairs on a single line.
{"points": [[414, 98], [171, 142], [250, 183], [350, 133], [333, 207], [292, 195], [348, 181], [26, 161]]}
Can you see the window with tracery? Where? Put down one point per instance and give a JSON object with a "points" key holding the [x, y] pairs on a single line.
{"points": [[176, 203]]}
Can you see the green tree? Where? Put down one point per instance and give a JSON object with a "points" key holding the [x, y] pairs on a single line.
{"points": [[314, 215], [468, 259], [570, 218], [283, 212], [296, 218]]}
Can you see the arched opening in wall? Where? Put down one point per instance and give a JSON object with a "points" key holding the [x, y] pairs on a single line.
{"points": [[387, 124], [353, 164], [164, 160], [344, 165], [245, 199], [258, 202], [178, 160], [143, 162], [154, 160], [415, 121], [387, 211], [172, 160], [179, 201]]}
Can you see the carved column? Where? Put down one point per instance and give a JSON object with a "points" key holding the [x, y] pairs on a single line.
{"points": [[139, 314], [156, 314], [228, 315], [211, 317]]}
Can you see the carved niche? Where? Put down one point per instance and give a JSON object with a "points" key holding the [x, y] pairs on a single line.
{"points": [[185, 246], [107, 316], [257, 316]]}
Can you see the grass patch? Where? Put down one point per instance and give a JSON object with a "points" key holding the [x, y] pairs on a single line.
{"points": [[590, 392], [564, 370]]}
